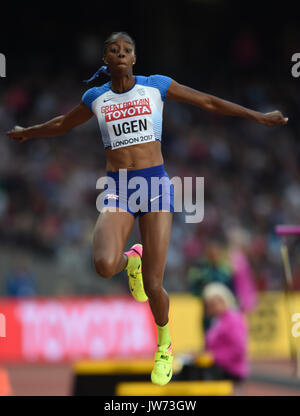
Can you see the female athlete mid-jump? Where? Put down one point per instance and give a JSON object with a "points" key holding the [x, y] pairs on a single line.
{"points": [[129, 111]]}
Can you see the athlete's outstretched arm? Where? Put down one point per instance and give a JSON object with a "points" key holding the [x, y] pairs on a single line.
{"points": [[58, 125], [179, 92]]}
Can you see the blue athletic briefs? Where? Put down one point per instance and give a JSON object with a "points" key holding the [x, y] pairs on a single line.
{"points": [[139, 191]]}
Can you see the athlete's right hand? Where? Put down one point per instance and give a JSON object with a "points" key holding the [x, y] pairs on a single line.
{"points": [[18, 133]]}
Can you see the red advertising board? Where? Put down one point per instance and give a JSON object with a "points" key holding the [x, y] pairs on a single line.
{"points": [[67, 329]]}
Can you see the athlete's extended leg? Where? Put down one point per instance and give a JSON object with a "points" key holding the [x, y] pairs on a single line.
{"points": [[110, 236], [155, 230]]}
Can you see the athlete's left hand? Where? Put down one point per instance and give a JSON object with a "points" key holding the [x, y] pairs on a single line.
{"points": [[275, 118]]}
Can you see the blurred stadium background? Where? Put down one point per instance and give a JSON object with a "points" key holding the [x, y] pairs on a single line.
{"points": [[49, 290]]}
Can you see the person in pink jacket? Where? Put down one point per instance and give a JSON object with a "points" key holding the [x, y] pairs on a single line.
{"points": [[227, 338], [243, 277]]}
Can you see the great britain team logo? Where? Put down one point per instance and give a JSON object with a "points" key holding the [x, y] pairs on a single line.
{"points": [[128, 122], [126, 109], [112, 196]]}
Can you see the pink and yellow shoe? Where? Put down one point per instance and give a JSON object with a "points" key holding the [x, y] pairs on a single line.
{"points": [[134, 271], [162, 371]]}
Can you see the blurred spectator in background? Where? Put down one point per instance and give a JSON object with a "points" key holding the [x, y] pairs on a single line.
{"points": [[224, 355], [212, 266], [226, 339], [226, 264], [20, 282], [243, 277]]}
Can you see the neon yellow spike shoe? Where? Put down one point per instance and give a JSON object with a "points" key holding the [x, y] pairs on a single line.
{"points": [[134, 271], [162, 371]]}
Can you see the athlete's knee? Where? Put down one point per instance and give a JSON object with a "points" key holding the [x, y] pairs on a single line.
{"points": [[105, 266]]}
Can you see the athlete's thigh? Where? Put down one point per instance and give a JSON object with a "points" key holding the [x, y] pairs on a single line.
{"points": [[155, 228], [111, 232]]}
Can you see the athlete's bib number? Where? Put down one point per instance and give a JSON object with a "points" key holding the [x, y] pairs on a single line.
{"points": [[130, 131]]}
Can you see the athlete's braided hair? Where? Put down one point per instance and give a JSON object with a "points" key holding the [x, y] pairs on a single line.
{"points": [[104, 68]]}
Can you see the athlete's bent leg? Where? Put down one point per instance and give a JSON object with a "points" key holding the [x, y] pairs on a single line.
{"points": [[111, 233]]}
